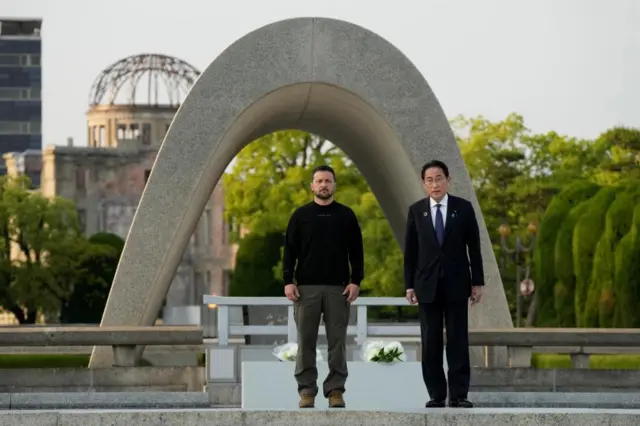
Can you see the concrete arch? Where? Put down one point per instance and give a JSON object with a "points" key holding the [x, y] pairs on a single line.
{"points": [[325, 76]]}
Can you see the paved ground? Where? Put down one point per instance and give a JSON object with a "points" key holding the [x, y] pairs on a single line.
{"points": [[423, 417]]}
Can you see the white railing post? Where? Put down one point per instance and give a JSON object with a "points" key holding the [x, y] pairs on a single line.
{"points": [[292, 330], [361, 324], [223, 325]]}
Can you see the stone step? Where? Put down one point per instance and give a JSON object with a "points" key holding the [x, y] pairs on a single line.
{"points": [[343, 417], [196, 400]]}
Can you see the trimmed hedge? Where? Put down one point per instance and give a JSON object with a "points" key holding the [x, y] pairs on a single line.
{"points": [[617, 224], [627, 276], [586, 235], [544, 252], [564, 290]]}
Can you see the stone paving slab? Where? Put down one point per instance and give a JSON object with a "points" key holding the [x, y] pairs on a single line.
{"points": [[449, 417], [173, 400]]}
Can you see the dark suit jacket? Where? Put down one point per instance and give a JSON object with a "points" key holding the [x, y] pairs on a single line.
{"points": [[426, 263]]}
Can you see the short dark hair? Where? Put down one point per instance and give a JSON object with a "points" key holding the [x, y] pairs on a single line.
{"points": [[435, 163], [323, 168]]}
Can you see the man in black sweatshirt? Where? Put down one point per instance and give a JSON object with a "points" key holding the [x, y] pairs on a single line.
{"points": [[323, 237]]}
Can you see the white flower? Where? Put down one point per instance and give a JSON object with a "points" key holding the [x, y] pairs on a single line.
{"points": [[382, 353], [372, 349], [289, 352]]}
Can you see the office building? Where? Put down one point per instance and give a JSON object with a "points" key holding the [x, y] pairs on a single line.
{"points": [[20, 86]]}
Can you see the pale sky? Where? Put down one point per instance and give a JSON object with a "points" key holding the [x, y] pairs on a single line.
{"points": [[567, 65]]}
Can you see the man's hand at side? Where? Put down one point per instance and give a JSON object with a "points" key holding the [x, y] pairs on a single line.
{"points": [[291, 291], [411, 297], [476, 294], [352, 291]]}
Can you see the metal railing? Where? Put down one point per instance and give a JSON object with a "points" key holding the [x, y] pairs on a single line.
{"points": [[361, 330]]}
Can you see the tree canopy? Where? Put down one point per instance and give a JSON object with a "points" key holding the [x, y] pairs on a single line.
{"points": [[519, 177]]}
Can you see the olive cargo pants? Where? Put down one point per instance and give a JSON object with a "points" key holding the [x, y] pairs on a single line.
{"points": [[329, 303]]}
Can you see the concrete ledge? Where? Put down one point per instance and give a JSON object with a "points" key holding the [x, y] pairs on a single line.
{"points": [[450, 417], [105, 400], [231, 394], [119, 379], [585, 400], [554, 380]]}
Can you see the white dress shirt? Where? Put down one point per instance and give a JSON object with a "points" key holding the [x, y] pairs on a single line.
{"points": [[443, 210]]}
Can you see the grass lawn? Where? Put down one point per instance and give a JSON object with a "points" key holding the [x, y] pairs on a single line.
{"points": [[597, 362], [44, 360], [48, 361]]}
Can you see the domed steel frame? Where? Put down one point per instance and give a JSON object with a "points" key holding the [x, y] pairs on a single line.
{"points": [[176, 75]]}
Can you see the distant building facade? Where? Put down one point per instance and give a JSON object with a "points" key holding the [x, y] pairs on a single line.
{"points": [[20, 87], [106, 178]]}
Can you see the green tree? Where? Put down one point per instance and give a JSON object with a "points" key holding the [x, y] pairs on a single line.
{"points": [[617, 224], [586, 235], [39, 238], [619, 152], [92, 279], [256, 259], [627, 276], [515, 174], [494, 158], [553, 255], [564, 291], [271, 178]]}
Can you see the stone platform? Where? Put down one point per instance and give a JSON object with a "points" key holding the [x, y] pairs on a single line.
{"points": [[449, 417], [200, 400]]}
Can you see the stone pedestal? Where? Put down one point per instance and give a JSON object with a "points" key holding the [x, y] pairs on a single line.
{"points": [[370, 386]]}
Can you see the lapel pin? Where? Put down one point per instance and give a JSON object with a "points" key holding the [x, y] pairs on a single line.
{"points": [[425, 214]]}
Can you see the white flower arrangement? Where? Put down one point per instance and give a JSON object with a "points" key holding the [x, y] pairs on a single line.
{"points": [[289, 351], [383, 353]]}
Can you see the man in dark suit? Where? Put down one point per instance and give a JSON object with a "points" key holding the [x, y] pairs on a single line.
{"points": [[441, 278]]}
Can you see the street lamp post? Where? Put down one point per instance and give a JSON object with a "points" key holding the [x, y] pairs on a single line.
{"points": [[526, 286]]}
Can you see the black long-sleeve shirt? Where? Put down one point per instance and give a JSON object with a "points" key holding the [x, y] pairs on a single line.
{"points": [[320, 243]]}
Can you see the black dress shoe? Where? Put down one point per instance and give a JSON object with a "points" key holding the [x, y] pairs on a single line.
{"points": [[435, 403], [460, 403]]}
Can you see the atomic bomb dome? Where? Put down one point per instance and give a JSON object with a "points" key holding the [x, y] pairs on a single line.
{"points": [[136, 98]]}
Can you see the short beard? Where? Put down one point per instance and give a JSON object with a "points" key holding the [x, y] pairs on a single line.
{"points": [[322, 196]]}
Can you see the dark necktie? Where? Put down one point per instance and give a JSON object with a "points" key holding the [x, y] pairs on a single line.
{"points": [[439, 224]]}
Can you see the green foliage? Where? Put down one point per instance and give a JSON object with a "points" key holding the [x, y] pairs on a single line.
{"points": [[383, 258], [553, 254], [610, 160], [518, 177], [92, 279], [515, 175], [271, 178], [618, 149], [564, 290], [387, 357], [39, 240], [586, 235], [256, 257], [627, 276], [108, 239], [44, 361], [596, 362], [495, 161], [617, 224]]}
